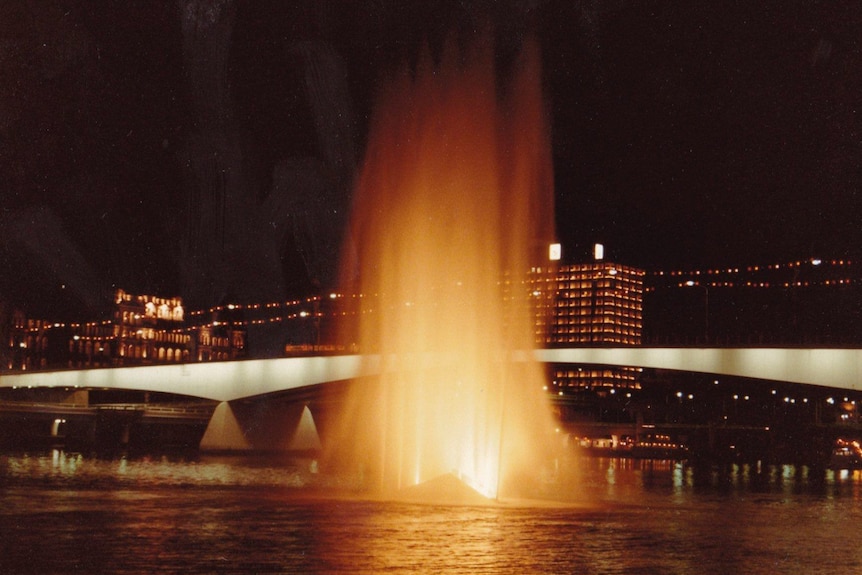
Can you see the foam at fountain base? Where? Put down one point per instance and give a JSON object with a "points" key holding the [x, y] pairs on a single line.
{"points": [[446, 489]]}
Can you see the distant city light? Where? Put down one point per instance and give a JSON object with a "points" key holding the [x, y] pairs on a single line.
{"points": [[599, 252], [555, 252]]}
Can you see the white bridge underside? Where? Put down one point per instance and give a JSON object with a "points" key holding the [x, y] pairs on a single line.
{"points": [[229, 381]]}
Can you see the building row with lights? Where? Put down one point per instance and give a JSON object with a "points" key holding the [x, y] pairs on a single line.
{"points": [[594, 303], [142, 330]]}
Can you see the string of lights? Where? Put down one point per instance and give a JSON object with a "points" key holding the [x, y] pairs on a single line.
{"points": [[795, 274], [752, 284], [813, 262]]}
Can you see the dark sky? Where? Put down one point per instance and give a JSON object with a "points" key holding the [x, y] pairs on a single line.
{"points": [[685, 134]]}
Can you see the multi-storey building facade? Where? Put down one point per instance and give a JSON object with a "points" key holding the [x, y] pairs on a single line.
{"points": [[142, 330], [219, 334], [598, 303], [595, 303], [147, 329], [27, 342]]}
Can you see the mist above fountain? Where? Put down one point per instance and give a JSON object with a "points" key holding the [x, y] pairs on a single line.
{"points": [[453, 205]]}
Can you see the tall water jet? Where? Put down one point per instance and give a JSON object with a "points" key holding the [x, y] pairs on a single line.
{"points": [[453, 206]]}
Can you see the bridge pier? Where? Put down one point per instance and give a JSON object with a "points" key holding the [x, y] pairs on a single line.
{"points": [[261, 426], [113, 427]]}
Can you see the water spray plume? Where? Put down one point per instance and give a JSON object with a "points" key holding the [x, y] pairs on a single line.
{"points": [[453, 205]]}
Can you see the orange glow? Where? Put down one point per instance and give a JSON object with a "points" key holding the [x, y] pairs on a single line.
{"points": [[454, 203]]}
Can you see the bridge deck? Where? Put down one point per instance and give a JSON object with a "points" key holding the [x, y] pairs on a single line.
{"points": [[228, 381]]}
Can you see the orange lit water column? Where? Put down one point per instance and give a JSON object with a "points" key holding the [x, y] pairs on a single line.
{"points": [[453, 206]]}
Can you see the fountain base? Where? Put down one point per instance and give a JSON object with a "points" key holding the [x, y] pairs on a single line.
{"points": [[446, 489]]}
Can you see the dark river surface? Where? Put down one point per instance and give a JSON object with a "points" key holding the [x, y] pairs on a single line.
{"points": [[72, 513]]}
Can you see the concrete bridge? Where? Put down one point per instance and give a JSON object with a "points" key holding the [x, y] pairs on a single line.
{"points": [[230, 381], [240, 420]]}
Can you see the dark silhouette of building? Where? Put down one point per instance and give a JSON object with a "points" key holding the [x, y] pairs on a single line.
{"points": [[812, 302]]}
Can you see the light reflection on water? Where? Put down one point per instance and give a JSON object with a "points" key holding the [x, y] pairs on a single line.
{"points": [[73, 513]]}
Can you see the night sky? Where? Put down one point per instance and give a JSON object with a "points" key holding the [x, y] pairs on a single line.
{"points": [[685, 134]]}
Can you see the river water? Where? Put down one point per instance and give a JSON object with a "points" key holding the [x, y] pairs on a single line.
{"points": [[72, 513]]}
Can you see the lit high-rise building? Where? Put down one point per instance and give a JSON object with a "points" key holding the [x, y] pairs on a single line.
{"points": [[595, 303]]}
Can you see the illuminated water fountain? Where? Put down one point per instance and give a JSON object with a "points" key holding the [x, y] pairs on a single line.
{"points": [[453, 206]]}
